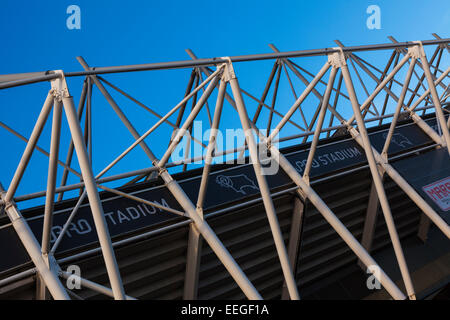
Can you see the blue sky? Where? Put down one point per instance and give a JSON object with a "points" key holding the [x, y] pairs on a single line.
{"points": [[35, 38]]}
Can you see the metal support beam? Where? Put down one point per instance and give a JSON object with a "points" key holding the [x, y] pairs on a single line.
{"points": [[33, 249], [38, 127], [195, 241], [370, 222], [262, 183], [377, 180], [94, 200], [295, 236], [335, 223], [51, 179]]}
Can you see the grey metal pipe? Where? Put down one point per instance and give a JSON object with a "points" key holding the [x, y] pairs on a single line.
{"points": [[68, 222], [187, 123], [381, 85], [318, 129], [378, 182], [37, 130], [115, 107], [434, 95], [94, 200], [17, 83], [336, 224], [398, 108], [264, 189], [70, 151], [208, 234], [299, 101], [51, 178], [211, 144], [38, 194], [33, 249], [254, 57]]}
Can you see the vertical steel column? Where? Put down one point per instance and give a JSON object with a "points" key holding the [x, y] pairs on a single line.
{"points": [[295, 236], [194, 112], [51, 179], [70, 151], [115, 107], [89, 118], [41, 290], [299, 101], [417, 120], [424, 227], [263, 186], [370, 222], [377, 180], [94, 200]]}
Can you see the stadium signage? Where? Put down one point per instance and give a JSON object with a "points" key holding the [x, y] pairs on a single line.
{"points": [[439, 192], [226, 186]]}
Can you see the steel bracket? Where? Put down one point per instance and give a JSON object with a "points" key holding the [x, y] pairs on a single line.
{"points": [[9, 209], [59, 86], [337, 59], [228, 72], [416, 51]]}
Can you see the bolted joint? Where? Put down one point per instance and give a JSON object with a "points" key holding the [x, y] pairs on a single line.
{"points": [[11, 210], [59, 86], [353, 132], [382, 162], [301, 196], [228, 70], [417, 51], [306, 179], [381, 169], [199, 210], [337, 59]]}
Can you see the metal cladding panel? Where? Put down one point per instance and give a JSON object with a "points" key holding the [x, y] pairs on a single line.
{"points": [[246, 233], [151, 269]]}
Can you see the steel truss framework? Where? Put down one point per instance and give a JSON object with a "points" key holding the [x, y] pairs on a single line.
{"points": [[219, 74]]}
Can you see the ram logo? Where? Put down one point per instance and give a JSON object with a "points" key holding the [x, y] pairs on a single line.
{"points": [[399, 139], [238, 182]]}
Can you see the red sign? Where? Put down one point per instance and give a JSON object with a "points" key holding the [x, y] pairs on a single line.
{"points": [[439, 192]]}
